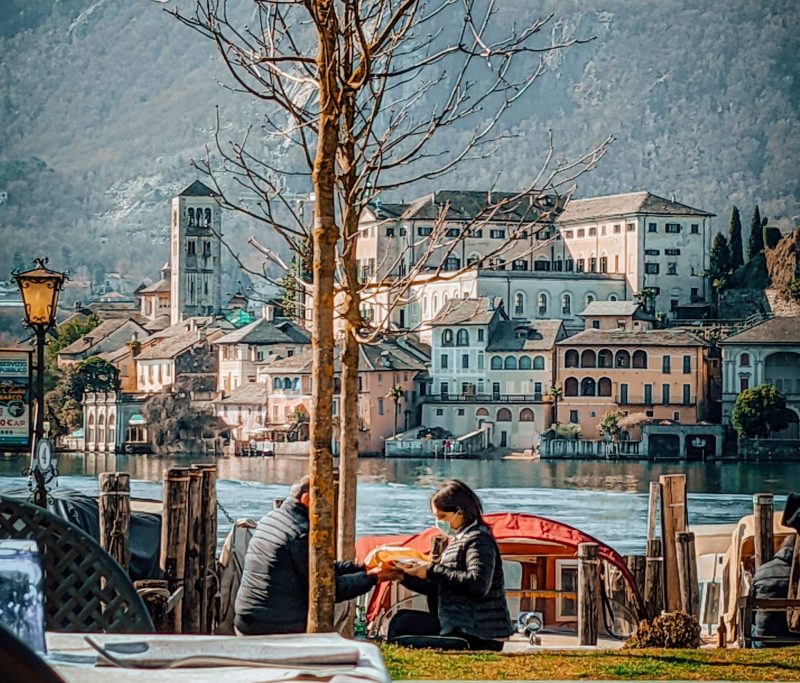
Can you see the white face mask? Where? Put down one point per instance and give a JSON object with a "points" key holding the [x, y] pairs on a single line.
{"points": [[444, 526]]}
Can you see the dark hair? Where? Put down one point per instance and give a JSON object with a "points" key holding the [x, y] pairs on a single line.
{"points": [[455, 496]]}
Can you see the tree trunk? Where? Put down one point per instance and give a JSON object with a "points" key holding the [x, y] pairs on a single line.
{"points": [[325, 235]]}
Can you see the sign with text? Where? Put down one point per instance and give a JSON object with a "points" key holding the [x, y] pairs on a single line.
{"points": [[15, 399]]}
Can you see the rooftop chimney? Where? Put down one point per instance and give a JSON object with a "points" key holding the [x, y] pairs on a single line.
{"points": [[268, 312]]}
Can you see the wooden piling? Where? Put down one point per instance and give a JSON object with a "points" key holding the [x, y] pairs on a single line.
{"points": [[654, 579], [114, 510], [638, 566], [194, 586], [652, 508], [673, 520], [763, 511], [687, 573], [173, 537], [588, 593], [208, 534]]}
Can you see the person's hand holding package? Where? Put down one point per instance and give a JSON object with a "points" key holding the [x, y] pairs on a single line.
{"points": [[416, 568], [391, 563], [386, 572]]}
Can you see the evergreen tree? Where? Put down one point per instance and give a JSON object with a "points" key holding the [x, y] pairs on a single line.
{"points": [[720, 257], [756, 243], [292, 298], [735, 240]]}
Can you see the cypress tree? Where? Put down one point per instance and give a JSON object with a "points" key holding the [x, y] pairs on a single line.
{"points": [[756, 244], [735, 240], [720, 257]]}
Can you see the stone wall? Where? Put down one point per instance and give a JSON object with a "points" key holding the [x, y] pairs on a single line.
{"points": [[769, 449]]}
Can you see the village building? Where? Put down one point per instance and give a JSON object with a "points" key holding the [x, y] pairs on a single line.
{"points": [[488, 370], [659, 373], [109, 335], [154, 300], [240, 351], [658, 244], [765, 353], [393, 364], [244, 410], [616, 315]]}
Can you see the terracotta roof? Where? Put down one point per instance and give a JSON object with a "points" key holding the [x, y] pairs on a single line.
{"points": [[610, 308], [465, 205], [525, 335], [198, 189], [162, 285], [172, 346], [266, 332], [779, 330], [250, 393], [478, 311], [94, 336], [669, 337], [625, 204]]}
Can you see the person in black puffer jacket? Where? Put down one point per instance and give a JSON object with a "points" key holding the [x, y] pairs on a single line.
{"points": [[273, 593], [465, 587]]}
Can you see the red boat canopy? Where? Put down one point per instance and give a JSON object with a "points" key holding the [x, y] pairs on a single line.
{"points": [[505, 526]]}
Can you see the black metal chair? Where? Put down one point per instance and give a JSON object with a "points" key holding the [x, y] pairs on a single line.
{"points": [[85, 590]]}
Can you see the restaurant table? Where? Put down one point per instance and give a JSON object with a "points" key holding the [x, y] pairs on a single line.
{"points": [[331, 658]]}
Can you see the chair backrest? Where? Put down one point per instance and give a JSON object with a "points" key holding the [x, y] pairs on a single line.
{"points": [[85, 590]]}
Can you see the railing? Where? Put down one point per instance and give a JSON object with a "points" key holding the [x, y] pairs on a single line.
{"points": [[484, 398], [579, 448]]}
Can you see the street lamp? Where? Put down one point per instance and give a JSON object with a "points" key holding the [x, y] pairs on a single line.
{"points": [[40, 288]]}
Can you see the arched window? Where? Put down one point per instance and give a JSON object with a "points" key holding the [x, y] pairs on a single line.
{"points": [[639, 359], [277, 384], [447, 338], [191, 218], [541, 304], [605, 359], [538, 363], [110, 428], [519, 304], [481, 412], [101, 428], [571, 359], [510, 363], [525, 363], [622, 359], [566, 304], [296, 383], [287, 383], [425, 305], [208, 218], [435, 308], [588, 387], [462, 338], [744, 360], [497, 363], [526, 415], [612, 297], [472, 259], [604, 386], [570, 386], [588, 359], [504, 415], [589, 298], [90, 429]]}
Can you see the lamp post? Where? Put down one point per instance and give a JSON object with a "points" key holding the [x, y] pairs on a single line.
{"points": [[40, 288]]}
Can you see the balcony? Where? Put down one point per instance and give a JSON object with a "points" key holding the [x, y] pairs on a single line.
{"points": [[483, 398]]}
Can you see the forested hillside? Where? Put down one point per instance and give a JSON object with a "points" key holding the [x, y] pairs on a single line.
{"points": [[103, 104]]}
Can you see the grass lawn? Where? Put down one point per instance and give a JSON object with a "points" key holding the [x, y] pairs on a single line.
{"points": [[781, 664]]}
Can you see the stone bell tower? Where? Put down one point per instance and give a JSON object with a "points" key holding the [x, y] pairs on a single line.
{"points": [[195, 253]]}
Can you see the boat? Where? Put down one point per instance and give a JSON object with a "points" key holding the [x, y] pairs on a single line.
{"points": [[541, 574]]}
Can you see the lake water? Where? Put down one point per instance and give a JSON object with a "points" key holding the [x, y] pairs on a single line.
{"points": [[605, 499]]}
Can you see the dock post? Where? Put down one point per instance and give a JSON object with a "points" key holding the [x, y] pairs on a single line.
{"points": [[193, 585], [763, 510], [208, 544], [654, 579], [652, 508], [687, 573], [588, 593], [638, 566], [114, 508], [673, 520], [173, 537]]}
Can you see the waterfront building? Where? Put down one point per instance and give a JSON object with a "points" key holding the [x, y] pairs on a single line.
{"points": [[488, 370], [244, 410], [109, 335], [267, 338], [383, 366], [154, 299], [766, 353], [660, 373], [656, 243], [113, 422], [616, 315]]}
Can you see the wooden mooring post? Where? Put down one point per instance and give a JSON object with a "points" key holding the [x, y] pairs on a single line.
{"points": [[763, 511], [673, 520], [654, 579], [173, 538], [114, 508], [193, 584], [588, 593], [208, 543], [638, 566], [686, 558]]}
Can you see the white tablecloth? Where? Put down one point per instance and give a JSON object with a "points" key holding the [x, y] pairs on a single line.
{"points": [[76, 662]]}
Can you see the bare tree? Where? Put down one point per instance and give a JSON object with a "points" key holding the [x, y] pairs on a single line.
{"points": [[355, 93]]}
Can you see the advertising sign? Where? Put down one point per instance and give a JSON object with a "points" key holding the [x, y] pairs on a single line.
{"points": [[15, 399]]}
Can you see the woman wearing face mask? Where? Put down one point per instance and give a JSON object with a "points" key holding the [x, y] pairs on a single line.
{"points": [[465, 588]]}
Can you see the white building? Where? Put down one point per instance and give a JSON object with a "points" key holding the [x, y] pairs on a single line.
{"points": [[654, 242], [767, 353], [487, 369]]}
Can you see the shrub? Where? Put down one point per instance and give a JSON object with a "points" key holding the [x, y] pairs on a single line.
{"points": [[670, 630], [758, 412]]}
